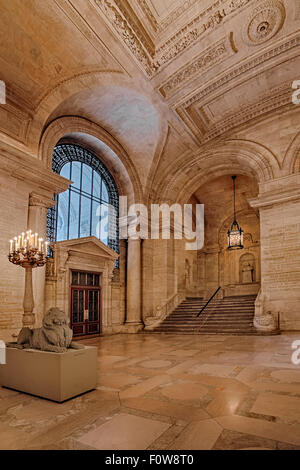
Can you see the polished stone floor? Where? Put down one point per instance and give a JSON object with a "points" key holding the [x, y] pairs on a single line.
{"points": [[170, 392]]}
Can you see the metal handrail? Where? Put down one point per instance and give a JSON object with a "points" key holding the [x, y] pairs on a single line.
{"points": [[203, 308]]}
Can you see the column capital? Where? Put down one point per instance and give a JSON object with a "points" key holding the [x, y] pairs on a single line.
{"points": [[134, 239], [40, 200]]}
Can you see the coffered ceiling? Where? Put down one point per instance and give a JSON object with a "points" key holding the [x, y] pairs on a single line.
{"points": [[218, 64]]}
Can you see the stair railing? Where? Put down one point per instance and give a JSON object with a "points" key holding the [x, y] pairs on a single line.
{"points": [[163, 311], [208, 302]]}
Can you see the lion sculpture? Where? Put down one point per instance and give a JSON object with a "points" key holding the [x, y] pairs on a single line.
{"points": [[55, 335]]}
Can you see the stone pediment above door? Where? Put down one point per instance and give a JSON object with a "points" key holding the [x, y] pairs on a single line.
{"points": [[88, 246]]}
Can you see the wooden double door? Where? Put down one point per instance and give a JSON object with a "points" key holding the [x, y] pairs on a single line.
{"points": [[85, 303]]}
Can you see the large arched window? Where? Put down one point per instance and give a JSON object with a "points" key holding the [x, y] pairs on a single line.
{"points": [[91, 204]]}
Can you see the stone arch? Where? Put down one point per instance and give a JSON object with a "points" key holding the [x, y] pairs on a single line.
{"points": [[67, 87], [234, 260], [241, 157], [291, 162], [91, 82], [74, 129]]}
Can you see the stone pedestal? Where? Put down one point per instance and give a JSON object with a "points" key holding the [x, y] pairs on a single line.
{"points": [[56, 376]]}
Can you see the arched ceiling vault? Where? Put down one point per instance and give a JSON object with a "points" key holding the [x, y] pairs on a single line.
{"points": [[208, 71]]}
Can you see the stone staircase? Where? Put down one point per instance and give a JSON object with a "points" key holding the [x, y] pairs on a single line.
{"points": [[231, 315]]}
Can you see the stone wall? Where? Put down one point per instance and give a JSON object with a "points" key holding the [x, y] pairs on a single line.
{"points": [[280, 255]]}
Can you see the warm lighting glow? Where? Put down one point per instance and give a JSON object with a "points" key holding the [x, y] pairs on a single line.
{"points": [[235, 237], [235, 234], [28, 249]]}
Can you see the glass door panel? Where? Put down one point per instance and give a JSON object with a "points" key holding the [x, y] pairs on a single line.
{"points": [[85, 303]]}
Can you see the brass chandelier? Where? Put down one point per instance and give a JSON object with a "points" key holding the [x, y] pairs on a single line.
{"points": [[235, 234]]}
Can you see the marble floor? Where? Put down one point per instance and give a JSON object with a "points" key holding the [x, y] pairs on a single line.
{"points": [[170, 392]]}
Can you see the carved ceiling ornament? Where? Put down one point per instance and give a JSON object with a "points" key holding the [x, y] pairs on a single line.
{"points": [[265, 21], [173, 16], [151, 56], [124, 29]]}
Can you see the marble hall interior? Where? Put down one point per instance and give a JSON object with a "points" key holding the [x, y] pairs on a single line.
{"points": [[111, 110]]}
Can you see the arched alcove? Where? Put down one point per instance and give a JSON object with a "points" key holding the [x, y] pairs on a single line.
{"points": [[216, 265], [247, 268], [240, 157]]}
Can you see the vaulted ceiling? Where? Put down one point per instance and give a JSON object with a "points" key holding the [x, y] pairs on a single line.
{"points": [[203, 67]]}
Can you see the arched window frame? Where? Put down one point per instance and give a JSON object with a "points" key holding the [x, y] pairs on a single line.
{"points": [[66, 153]]}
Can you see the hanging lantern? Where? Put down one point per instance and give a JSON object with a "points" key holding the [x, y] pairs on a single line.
{"points": [[235, 234]]}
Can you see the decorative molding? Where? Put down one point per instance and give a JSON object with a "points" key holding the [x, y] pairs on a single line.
{"points": [[126, 9], [39, 200], [125, 22], [207, 21], [274, 99], [280, 48], [14, 122], [192, 111], [173, 16], [78, 20], [265, 21], [151, 18], [204, 61], [127, 33]]}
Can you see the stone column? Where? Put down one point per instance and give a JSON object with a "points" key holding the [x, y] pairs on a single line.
{"points": [[133, 322], [37, 221]]}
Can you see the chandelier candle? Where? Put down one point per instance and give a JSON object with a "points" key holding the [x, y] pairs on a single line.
{"points": [[28, 251]]}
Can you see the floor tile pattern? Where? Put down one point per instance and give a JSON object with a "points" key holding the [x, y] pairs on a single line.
{"points": [[170, 392]]}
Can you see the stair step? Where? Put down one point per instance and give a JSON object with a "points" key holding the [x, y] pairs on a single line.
{"points": [[231, 315]]}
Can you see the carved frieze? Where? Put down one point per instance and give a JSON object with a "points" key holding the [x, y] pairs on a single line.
{"points": [[173, 16], [152, 58], [127, 33]]}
